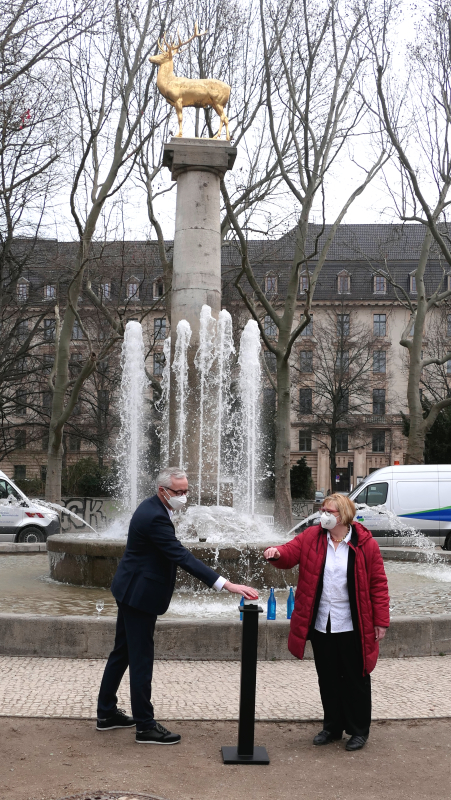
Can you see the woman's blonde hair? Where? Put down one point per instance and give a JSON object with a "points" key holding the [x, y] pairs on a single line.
{"points": [[344, 505]]}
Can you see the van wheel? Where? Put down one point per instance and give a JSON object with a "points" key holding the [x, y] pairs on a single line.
{"points": [[447, 545], [31, 536]]}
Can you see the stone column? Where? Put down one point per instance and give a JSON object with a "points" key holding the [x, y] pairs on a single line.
{"points": [[198, 166]]}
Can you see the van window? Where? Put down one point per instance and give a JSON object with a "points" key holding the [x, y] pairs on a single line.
{"points": [[373, 495], [6, 490]]}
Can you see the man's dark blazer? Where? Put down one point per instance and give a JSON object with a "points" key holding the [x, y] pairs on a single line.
{"points": [[145, 577]]}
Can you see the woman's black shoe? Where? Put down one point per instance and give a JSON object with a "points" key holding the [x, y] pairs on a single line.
{"points": [[157, 735], [118, 720], [356, 742], [325, 737]]}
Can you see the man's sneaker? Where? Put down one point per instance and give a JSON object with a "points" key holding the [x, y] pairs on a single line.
{"points": [[157, 735], [118, 720]]}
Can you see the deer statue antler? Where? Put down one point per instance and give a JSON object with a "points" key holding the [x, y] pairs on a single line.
{"points": [[195, 35]]}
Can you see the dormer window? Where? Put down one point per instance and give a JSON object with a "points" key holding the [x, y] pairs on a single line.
{"points": [[133, 289], [380, 284], [271, 283], [344, 282], [158, 288], [448, 281], [304, 282], [22, 289], [412, 283], [49, 291]]}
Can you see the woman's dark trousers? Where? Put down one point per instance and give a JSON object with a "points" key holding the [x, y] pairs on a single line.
{"points": [[345, 692], [133, 648]]}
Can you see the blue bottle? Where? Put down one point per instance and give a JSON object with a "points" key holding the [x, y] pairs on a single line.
{"points": [[271, 611], [290, 603], [241, 606]]}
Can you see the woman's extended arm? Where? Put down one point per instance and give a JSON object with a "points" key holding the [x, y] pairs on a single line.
{"points": [[285, 556]]}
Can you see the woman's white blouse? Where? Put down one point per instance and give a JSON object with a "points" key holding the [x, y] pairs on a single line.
{"points": [[335, 596]]}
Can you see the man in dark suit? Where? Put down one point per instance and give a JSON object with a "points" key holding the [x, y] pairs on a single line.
{"points": [[143, 587]]}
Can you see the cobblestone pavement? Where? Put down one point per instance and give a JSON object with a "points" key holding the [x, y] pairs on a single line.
{"points": [[200, 690]]}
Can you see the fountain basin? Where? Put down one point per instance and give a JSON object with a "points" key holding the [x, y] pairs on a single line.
{"points": [[93, 562]]}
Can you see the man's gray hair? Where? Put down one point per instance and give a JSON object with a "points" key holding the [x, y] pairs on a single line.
{"points": [[164, 478]]}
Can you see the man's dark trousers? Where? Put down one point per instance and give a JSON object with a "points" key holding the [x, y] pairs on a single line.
{"points": [[133, 648]]}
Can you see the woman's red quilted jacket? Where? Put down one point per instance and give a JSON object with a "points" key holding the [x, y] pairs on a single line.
{"points": [[308, 549]]}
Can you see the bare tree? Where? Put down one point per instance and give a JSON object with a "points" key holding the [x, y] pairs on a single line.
{"points": [[417, 119], [103, 74], [314, 61], [335, 374]]}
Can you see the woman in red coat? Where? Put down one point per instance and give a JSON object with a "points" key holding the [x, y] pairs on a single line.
{"points": [[342, 607]]}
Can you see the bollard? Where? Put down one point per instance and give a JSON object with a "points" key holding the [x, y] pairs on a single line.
{"points": [[246, 752]]}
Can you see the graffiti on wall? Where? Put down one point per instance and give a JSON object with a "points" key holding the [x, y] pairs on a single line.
{"points": [[91, 509]]}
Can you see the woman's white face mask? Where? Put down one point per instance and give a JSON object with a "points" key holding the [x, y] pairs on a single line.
{"points": [[328, 520]]}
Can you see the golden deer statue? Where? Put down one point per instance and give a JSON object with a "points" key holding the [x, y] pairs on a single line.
{"points": [[187, 92]]}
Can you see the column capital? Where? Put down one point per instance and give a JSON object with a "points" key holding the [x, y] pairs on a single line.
{"points": [[210, 155]]}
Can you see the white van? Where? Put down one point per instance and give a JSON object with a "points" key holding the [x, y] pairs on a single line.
{"points": [[420, 495], [21, 520]]}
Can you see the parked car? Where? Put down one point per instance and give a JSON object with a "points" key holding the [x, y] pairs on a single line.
{"points": [[420, 495], [21, 519]]}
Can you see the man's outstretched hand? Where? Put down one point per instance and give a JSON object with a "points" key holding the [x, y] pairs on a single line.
{"points": [[246, 591]]}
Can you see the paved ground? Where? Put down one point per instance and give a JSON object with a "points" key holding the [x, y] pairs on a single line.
{"points": [[200, 690]]}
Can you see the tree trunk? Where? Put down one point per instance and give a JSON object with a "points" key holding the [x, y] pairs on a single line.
{"points": [[54, 469], [333, 459], [283, 518]]}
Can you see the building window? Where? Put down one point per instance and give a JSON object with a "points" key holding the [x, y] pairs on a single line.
{"points": [[379, 361], [448, 367], [308, 330], [341, 441], [20, 439], [380, 285], [344, 283], [379, 402], [448, 281], [103, 400], [342, 325], [158, 288], [448, 325], [304, 282], [342, 361], [306, 361], [159, 328], [45, 442], [378, 441], [271, 361], [75, 364], [305, 441], [412, 284], [105, 291], [305, 401], [49, 291], [49, 330], [43, 473], [20, 472], [74, 443], [269, 327], [343, 402], [47, 402], [77, 332], [133, 289], [47, 363], [22, 330], [379, 324], [22, 290], [158, 363], [21, 402], [271, 283]]}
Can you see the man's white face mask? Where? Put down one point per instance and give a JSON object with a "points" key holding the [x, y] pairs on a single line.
{"points": [[176, 502], [328, 520]]}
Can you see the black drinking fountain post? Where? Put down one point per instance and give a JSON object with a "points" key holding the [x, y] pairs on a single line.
{"points": [[246, 752]]}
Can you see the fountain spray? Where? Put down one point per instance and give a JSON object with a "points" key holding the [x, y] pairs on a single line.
{"points": [[180, 370], [203, 361]]}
